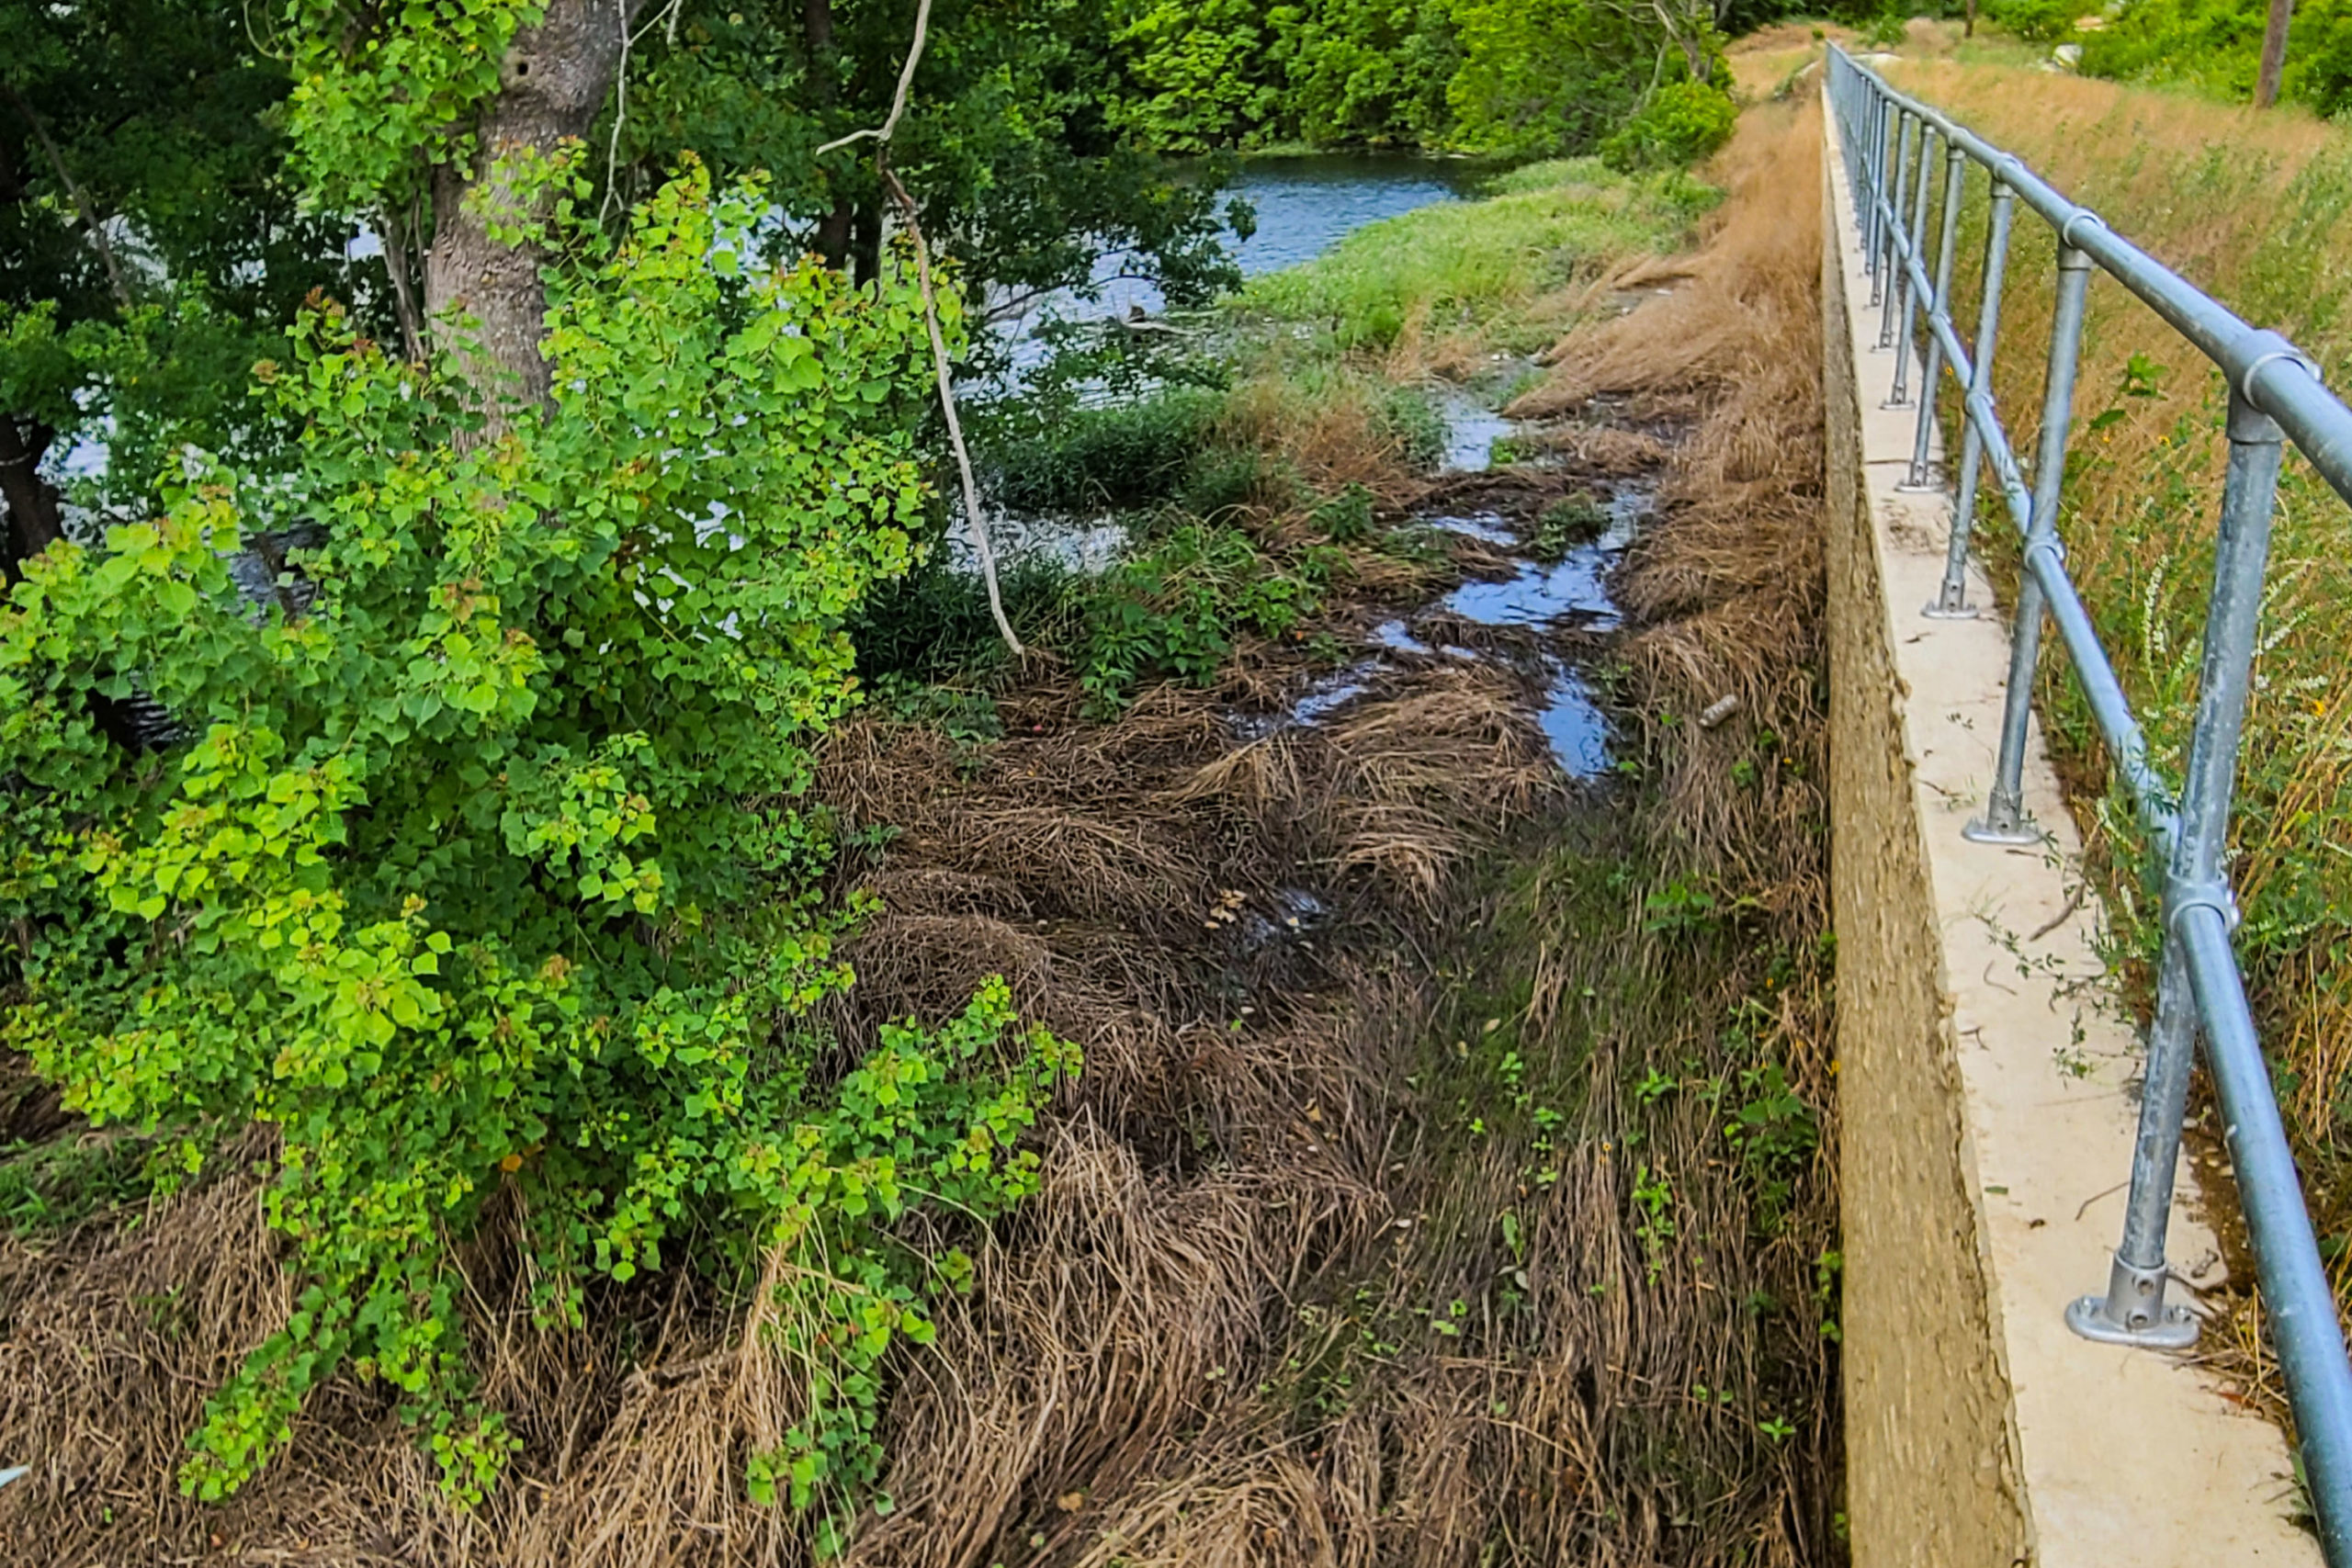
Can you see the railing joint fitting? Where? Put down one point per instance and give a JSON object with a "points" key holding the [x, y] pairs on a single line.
{"points": [[2183, 895], [2072, 256], [2048, 545]]}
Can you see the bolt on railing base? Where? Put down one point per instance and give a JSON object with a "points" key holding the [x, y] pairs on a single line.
{"points": [[1985, 830], [2133, 1311]]}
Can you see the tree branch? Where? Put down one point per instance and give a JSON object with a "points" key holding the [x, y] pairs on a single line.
{"points": [[73, 187], [898, 100], [942, 369]]}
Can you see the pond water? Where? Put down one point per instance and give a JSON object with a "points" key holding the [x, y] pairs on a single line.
{"points": [[1305, 205]]}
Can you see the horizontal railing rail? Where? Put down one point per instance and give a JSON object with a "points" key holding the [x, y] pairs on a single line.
{"points": [[1888, 141]]}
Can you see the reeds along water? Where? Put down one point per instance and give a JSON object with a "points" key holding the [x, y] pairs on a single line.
{"points": [[1411, 1233]]}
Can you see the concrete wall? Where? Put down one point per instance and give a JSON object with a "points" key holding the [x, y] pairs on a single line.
{"points": [[1925, 1392], [1986, 1102]]}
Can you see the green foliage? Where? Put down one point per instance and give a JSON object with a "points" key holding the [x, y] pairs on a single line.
{"points": [[380, 99], [1499, 77], [1766, 1122], [1415, 425], [1346, 518], [2215, 47], [1679, 910], [1123, 454], [483, 862], [1547, 76], [1373, 73], [1565, 524], [1172, 612], [2037, 21], [1013, 143], [1207, 73], [165, 115], [48, 1188], [1681, 123]]}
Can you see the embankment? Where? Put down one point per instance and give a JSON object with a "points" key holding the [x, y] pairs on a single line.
{"points": [[1452, 1177]]}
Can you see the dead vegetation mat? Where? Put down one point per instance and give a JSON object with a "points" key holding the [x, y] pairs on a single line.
{"points": [[1393, 1218]]}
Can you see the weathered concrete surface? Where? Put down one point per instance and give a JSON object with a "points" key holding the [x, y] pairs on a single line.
{"points": [[1984, 1091]]}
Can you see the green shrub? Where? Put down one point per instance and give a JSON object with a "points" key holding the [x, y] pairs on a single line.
{"points": [[1417, 426], [936, 621], [1125, 454], [1565, 524], [1346, 518], [490, 871], [1172, 612], [2037, 21], [1376, 328], [1681, 123], [1224, 478]]}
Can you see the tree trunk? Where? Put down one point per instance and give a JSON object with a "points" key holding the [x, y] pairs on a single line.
{"points": [[554, 80], [866, 244], [1968, 28], [833, 230], [35, 521], [2274, 53]]}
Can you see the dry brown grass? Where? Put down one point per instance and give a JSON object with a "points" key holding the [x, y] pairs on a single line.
{"points": [[2252, 207], [1730, 593], [1266, 1309]]}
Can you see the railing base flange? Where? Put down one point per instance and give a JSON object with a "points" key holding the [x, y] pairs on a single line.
{"points": [[1980, 831], [2174, 1330], [1939, 611]]}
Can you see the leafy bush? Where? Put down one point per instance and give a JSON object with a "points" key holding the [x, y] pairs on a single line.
{"points": [[1417, 426], [480, 864], [1224, 478], [2215, 46], [2038, 21], [1122, 454], [1346, 518], [1565, 524], [1681, 123], [1172, 612], [1542, 78]]}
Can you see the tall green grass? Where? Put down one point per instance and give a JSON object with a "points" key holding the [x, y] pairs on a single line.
{"points": [[2257, 210], [1484, 265]]}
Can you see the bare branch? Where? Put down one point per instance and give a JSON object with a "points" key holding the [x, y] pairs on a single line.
{"points": [[898, 100], [942, 369], [73, 187], [944, 373]]}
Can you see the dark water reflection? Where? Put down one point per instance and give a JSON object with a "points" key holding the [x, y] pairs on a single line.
{"points": [[1305, 206]]}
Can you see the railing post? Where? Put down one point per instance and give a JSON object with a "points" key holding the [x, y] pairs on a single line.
{"points": [[2005, 821], [1891, 268], [1938, 306], [2133, 1311], [1905, 312], [1881, 170], [1952, 599]]}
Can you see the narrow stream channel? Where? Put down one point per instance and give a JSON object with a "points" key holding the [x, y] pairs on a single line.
{"points": [[1304, 205]]}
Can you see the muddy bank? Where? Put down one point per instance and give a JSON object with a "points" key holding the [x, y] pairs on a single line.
{"points": [[1450, 1179]]}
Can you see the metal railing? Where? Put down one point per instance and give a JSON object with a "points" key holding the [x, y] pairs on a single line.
{"points": [[1889, 142]]}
